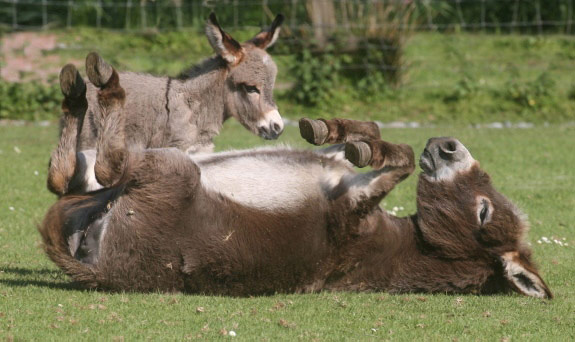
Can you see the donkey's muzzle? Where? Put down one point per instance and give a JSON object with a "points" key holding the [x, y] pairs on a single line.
{"points": [[272, 126], [441, 154]]}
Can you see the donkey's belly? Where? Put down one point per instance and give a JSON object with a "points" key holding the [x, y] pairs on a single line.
{"points": [[268, 181]]}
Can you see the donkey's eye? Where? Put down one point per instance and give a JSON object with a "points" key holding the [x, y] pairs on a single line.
{"points": [[251, 89], [484, 210], [483, 214]]}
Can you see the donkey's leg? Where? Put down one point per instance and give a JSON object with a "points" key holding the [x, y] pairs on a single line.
{"points": [[99, 72], [110, 145], [162, 172], [334, 131], [63, 158], [392, 163]]}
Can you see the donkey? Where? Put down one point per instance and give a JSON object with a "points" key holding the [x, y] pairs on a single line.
{"points": [[263, 221], [185, 112]]}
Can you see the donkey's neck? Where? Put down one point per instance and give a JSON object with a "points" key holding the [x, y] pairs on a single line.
{"points": [[395, 258], [208, 76], [410, 264], [203, 89]]}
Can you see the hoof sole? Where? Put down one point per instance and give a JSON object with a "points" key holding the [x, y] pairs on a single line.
{"points": [[99, 72], [71, 83], [313, 131], [358, 153]]}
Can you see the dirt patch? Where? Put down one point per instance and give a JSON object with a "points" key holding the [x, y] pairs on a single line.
{"points": [[26, 57]]}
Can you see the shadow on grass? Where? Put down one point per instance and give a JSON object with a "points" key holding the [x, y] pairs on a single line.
{"points": [[60, 280], [25, 271], [41, 283]]}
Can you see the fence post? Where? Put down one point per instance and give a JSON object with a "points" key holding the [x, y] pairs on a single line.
{"points": [[98, 6], [460, 14], [44, 14], [14, 14], [538, 16], [483, 15], [178, 8], [430, 23], [69, 17], [515, 16], [569, 16], [143, 19], [236, 17], [128, 14]]}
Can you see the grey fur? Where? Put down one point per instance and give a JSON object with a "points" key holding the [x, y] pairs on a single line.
{"points": [[187, 112]]}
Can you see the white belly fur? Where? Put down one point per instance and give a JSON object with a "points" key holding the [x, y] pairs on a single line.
{"points": [[266, 182]]}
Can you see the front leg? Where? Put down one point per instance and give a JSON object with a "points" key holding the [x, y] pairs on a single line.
{"points": [[392, 163], [63, 159]]}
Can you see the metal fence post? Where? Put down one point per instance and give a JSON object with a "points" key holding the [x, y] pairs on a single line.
{"points": [[69, 17], [15, 14], [98, 6], [44, 14], [128, 14]]}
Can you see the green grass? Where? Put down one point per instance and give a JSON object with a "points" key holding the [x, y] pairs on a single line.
{"points": [[533, 167], [459, 77]]}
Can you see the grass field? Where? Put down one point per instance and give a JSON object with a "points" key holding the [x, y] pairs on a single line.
{"points": [[533, 167], [457, 77]]}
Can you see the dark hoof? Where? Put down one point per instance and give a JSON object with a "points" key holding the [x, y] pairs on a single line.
{"points": [[99, 72], [358, 153], [71, 83], [313, 131]]}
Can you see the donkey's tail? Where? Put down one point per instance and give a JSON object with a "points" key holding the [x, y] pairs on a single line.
{"points": [[56, 246]]}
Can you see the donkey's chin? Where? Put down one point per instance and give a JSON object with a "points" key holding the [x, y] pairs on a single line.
{"points": [[426, 163], [268, 135]]}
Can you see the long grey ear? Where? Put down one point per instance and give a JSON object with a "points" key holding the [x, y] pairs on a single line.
{"points": [[222, 43], [268, 37], [523, 280]]}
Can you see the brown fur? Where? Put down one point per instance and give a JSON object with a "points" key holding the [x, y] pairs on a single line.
{"points": [[166, 232]]}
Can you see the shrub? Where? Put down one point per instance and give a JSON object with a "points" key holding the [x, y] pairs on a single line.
{"points": [[29, 101], [530, 94]]}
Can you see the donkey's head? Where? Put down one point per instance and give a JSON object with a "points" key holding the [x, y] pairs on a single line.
{"points": [[463, 217], [251, 78]]}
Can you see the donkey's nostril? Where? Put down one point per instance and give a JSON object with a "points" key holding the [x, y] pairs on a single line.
{"points": [[448, 146], [276, 127]]}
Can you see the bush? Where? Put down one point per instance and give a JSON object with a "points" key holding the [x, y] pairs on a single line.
{"points": [[531, 94], [29, 101]]}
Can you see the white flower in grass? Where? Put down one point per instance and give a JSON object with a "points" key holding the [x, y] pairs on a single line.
{"points": [[11, 208], [232, 333], [36, 173], [17, 149]]}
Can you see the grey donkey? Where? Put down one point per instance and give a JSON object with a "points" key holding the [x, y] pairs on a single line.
{"points": [[186, 112]]}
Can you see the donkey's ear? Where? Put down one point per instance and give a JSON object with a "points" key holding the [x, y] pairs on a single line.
{"points": [[222, 43], [268, 37], [524, 278]]}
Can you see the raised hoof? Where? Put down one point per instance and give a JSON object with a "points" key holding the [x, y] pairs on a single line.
{"points": [[71, 83], [358, 153], [99, 72], [313, 131]]}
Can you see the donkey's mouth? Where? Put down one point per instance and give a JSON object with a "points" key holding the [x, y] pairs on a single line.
{"points": [[426, 162]]}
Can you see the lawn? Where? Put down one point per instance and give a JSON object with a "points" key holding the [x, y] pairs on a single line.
{"points": [[533, 167], [450, 77]]}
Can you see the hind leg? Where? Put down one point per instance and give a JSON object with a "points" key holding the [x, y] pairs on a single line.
{"points": [[63, 159], [336, 131], [161, 171]]}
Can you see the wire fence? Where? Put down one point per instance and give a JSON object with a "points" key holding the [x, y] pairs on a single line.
{"points": [[373, 32], [532, 16]]}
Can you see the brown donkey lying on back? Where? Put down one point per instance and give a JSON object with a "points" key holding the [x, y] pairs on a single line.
{"points": [[263, 221]]}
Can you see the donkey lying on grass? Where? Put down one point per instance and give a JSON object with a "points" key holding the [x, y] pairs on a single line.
{"points": [[186, 113], [263, 221]]}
